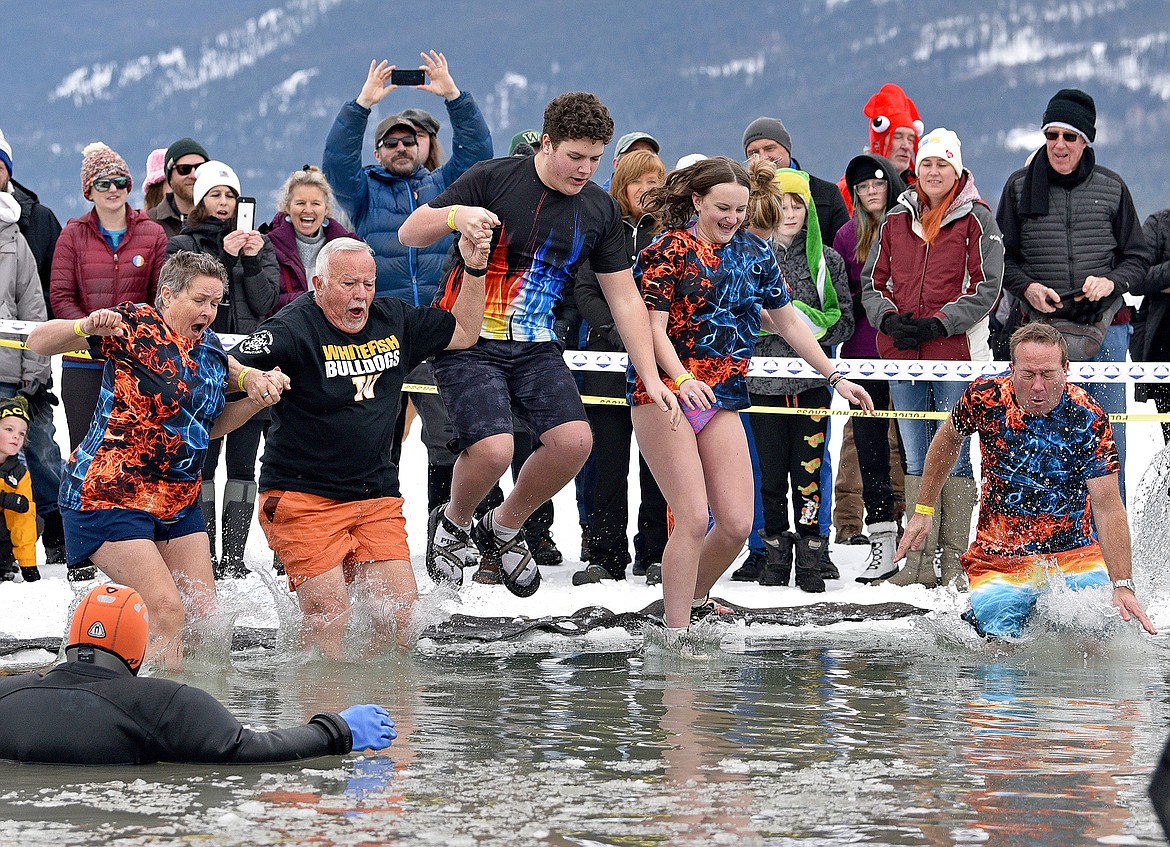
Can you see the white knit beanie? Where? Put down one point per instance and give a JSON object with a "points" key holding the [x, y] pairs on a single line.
{"points": [[209, 175], [943, 143]]}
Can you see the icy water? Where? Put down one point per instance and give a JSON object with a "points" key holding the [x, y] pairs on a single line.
{"points": [[911, 733]]}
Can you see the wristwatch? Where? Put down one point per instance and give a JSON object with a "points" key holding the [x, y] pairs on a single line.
{"points": [[1124, 583]]}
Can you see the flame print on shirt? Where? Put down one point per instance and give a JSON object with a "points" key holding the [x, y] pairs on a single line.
{"points": [[1035, 497], [519, 301], [160, 395], [714, 297]]}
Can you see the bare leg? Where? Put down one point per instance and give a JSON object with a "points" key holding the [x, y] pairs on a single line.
{"points": [[563, 451], [673, 458], [324, 601], [389, 589], [477, 469], [727, 469], [174, 578]]}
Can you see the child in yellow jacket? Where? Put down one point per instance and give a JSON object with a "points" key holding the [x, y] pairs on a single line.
{"points": [[18, 541]]}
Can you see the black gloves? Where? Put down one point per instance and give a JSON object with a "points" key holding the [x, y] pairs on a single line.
{"points": [[30, 574], [13, 502], [39, 397], [909, 332]]}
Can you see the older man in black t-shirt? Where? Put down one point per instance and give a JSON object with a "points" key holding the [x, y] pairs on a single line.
{"points": [[330, 504], [541, 217]]}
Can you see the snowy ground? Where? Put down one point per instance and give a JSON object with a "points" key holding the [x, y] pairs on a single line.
{"points": [[41, 609]]}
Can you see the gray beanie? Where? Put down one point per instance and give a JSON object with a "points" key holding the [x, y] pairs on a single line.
{"points": [[772, 128]]}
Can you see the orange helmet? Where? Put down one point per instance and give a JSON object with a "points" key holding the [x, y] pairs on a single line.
{"points": [[114, 618]]}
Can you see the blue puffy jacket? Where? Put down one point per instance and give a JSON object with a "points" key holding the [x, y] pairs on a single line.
{"points": [[378, 202]]}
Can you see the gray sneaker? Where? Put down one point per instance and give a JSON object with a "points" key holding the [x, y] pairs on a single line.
{"points": [[654, 573], [447, 548], [517, 567]]}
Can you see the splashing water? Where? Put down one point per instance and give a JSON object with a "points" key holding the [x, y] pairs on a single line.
{"points": [[1150, 518]]}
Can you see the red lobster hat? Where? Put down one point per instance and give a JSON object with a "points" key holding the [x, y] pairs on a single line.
{"points": [[887, 110]]}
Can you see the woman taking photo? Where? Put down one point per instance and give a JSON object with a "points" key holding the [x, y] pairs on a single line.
{"points": [[253, 280], [304, 223], [637, 172], [875, 187], [928, 286], [130, 496], [791, 447], [709, 287]]}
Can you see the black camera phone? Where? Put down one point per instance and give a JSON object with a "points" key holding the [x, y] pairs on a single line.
{"points": [[407, 77]]}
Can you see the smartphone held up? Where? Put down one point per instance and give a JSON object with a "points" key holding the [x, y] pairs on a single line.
{"points": [[407, 76], [245, 214]]}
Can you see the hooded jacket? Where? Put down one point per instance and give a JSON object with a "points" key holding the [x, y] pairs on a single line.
{"points": [[863, 343], [20, 297], [956, 279], [378, 201], [794, 267], [253, 281], [40, 229]]}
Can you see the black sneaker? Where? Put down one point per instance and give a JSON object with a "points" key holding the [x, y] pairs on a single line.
{"points": [[81, 573], [640, 567], [518, 570], [749, 571], [591, 574], [654, 573], [445, 562]]}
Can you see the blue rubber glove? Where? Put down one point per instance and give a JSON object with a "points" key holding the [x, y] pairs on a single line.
{"points": [[370, 726]]}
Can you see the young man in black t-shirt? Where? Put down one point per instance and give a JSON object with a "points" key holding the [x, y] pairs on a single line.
{"points": [[330, 504], [540, 217]]}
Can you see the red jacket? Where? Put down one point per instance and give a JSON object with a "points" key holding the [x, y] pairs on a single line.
{"points": [[956, 279], [88, 275]]}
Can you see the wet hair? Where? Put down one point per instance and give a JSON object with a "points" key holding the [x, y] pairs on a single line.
{"points": [[153, 195], [181, 269], [577, 114], [199, 214], [1037, 332], [337, 245], [672, 203], [308, 175], [631, 167]]}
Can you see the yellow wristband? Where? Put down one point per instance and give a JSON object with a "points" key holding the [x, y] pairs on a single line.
{"points": [[451, 217], [240, 379], [682, 377], [919, 509], [78, 331]]}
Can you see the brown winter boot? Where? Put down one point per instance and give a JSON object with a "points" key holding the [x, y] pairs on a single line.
{"points": [[958, 500], [919, 566]]}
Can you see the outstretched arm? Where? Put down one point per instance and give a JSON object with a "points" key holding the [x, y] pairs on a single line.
{"points": [[940, 459], [62, 336], [1113, 534]]}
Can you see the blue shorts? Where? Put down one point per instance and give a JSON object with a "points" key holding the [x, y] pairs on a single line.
{"points": [[483, 385], [86, 531]]}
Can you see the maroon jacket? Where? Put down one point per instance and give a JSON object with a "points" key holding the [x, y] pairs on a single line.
{"points": [[294, 278], [88, 275], [956, 279]]}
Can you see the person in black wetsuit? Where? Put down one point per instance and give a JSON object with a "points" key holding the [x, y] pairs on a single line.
{"points": [[129, 720]]}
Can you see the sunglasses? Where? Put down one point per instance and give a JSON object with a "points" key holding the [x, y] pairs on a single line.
{"points": [[104, 185], [1055, 134], [392, 143], [185, 169]]}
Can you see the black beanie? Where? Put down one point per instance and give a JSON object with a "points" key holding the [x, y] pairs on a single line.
{"points": [[1073, 107], [182, 147]]}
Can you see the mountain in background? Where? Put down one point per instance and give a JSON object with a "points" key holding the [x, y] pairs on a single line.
{"points": [[259, 83]]}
